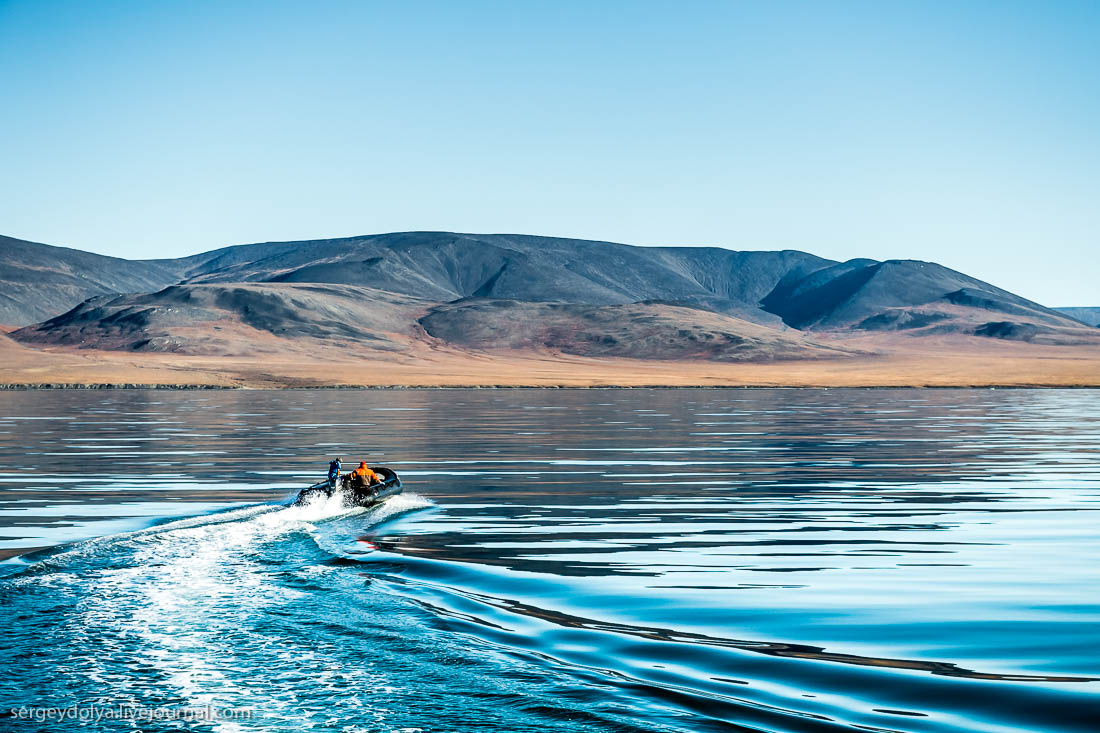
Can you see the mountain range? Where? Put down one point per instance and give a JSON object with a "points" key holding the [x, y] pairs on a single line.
{"points": [[394, 293]]}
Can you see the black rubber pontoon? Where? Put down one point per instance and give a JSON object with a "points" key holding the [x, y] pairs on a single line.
{"points": [[356, 495]]}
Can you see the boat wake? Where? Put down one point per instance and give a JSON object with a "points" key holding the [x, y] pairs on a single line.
{"points": [[192, 610], [315, 616]]}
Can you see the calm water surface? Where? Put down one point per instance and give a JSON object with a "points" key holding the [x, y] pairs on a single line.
{"points": [[619, 560]]}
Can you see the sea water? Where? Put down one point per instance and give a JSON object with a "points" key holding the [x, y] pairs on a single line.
{"points": [[588, 560]]}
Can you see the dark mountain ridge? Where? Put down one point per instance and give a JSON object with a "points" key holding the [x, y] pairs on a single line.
{"points": [[777, 289], [446, 266], [38, 281]]}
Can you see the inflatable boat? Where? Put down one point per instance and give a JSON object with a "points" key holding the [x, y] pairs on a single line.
{"points": [[356, 494]]}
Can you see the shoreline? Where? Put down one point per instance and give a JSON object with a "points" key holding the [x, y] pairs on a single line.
{"points": [[886, 362], [33, 387]]}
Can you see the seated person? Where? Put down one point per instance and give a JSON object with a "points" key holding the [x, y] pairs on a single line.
{"points": [[363, 476]]}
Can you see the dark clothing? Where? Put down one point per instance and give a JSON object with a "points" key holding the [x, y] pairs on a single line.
{"points": [[333, 476]]}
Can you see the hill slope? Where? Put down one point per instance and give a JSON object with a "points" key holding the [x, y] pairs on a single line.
{"points": [[793, 288], [38, 281], [238, 318], [780, 290], [916, 297], [445, 266], [635, 331], [218, 319]]}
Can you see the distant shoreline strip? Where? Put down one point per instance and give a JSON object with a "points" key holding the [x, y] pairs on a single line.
{"points": [[18, 387]]}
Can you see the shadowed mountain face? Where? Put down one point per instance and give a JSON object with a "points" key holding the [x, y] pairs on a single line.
{"points": [[511, 291], [38, 281], [891, 295], [916, 298]]}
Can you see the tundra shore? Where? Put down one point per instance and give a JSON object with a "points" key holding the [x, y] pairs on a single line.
{"points": [[898, 362]]}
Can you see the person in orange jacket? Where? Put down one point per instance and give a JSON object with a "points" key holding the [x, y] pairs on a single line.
{"points": [[364, 475]]}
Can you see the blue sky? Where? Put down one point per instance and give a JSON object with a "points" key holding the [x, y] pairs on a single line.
{"points": [[966, 133]]}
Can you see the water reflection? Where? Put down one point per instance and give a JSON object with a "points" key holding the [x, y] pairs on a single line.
{"points": [[778, 559]]}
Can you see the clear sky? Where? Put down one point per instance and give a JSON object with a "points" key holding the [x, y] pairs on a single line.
{"points": [[966, 133]]}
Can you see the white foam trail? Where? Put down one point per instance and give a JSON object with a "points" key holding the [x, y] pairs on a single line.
{"points": [[194, 578], [90, 546], [316, 509]]}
